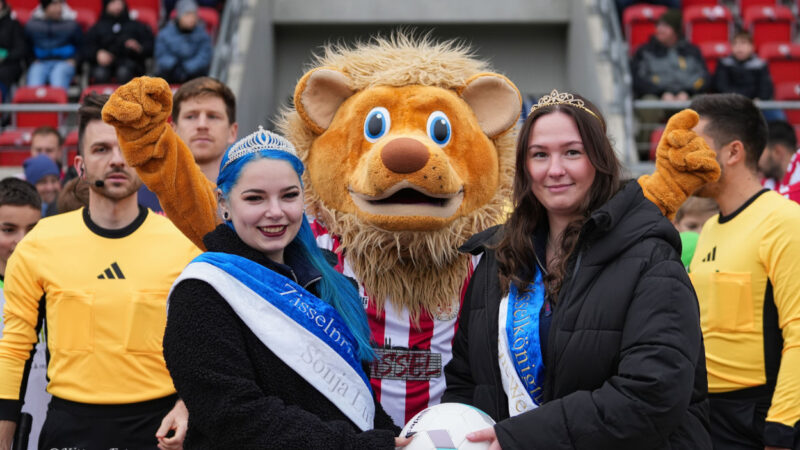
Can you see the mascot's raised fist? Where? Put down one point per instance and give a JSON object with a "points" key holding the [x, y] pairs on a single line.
{"points": [[684, 163], [139, 109]]}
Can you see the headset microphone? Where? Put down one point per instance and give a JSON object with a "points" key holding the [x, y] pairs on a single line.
{"points": [[99, 183]]}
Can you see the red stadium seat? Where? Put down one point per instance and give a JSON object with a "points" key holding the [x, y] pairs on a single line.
{"points": [[106, 89], [22, 15], [86, 17], [744, 5], [146, 16], [783, 60], [91, 5], [707, 24], [713, 52], [655, 138], [789, 91], [769, 24], [15, 146], [39, 94], [689, 3], [210, 17], [152, 5], [639, 22], [71, 145]]}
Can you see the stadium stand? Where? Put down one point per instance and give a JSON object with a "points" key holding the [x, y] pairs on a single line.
{"points": [[707, 24], [147, 16], [639, 22], [210, 18], [789, 91], [105, 89], [15, 146], [769, 24], [783, 60]]}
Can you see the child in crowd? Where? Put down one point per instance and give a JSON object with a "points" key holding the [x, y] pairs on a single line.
{"points": [[689, 222], [43, 173], [743, 72], [20, 210]]}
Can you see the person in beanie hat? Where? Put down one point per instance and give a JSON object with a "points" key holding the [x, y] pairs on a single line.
{"points": [[667, 66], [183, 47], [43, 173], [55, 38], [117, 46]]}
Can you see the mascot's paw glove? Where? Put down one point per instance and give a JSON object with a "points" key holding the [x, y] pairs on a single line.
{"points": [[684, 163], [139, 111]]}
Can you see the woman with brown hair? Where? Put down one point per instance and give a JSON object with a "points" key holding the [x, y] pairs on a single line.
{"points": [[580, 328]]}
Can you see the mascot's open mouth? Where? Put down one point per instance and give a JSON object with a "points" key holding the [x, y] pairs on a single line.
{"points": [[406, 199]]}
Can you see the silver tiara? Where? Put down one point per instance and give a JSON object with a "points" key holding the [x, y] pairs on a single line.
{"points": [[255, 142]]}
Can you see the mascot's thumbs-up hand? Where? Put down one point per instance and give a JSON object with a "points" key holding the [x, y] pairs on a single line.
{"points": [[139, 111], [684, 163]]}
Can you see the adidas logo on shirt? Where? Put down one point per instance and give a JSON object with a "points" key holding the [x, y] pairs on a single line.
{"points": [[712, 255], [112, 273]]}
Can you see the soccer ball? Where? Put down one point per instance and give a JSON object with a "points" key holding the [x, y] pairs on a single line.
{"points": [[446, 425]]}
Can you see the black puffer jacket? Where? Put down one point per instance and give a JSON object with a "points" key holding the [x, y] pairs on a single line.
{"points": [[624, 363], [110, 33], [239, 394]]}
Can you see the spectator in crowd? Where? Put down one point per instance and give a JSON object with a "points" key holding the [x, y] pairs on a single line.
{"points": [[104, 273], [743, 72], [204, 117], [117, 46], [689, 220], [779, 162], [74, 195], [183, 47], [745, 272], [13, 50], [248, 388], [56, 39], [667, 66], [43, 173], [20, 210], [48, 141], [567, 365], [169, 5]]}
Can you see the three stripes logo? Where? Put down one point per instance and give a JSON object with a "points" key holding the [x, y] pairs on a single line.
{"points": [[112, 273], [712, 255]]}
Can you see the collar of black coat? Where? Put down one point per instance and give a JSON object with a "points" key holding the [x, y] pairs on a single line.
{"points": [[224, 239], [620, 223]]}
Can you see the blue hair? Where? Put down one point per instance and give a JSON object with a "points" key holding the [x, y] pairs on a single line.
{"points": [[335, 288]]}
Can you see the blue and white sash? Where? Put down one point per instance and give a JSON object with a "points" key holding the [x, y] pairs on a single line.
{"points": [[303, 331], [519, 350]]}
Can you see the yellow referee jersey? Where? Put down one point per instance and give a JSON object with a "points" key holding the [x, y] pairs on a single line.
{"points": [[105, 294]]}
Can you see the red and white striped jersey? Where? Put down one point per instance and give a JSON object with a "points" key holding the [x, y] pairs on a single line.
{"points": [[789, 187], [408, 373]]}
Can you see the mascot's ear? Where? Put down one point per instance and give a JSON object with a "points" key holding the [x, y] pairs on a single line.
{"points": [[318, 95], [495, 101]]}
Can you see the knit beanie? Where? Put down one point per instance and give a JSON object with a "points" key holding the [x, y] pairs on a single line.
{"points": [[38, 167], [672, 18], [185, 6]]}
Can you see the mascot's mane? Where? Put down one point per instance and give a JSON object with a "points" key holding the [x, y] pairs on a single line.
{"points": [[416, 270]]}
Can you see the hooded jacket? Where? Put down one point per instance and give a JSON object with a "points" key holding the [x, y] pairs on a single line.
{"points": [[624, 359], [238, 392], [110, 33], [749, 77], [54, 39], [192, 50], [657, 68]]}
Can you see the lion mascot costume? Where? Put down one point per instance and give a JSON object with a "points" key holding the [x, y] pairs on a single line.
{"points": [[409, 146]]}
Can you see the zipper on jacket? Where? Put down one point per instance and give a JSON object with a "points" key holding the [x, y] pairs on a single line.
{"points": [[310, 282]]}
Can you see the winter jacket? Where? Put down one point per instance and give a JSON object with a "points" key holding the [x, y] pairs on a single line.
{"points": [[191, 50], [658, 69], [13, 48], [54, 39], [749, 77], [238, 392], [110, 33], [624, 360]]}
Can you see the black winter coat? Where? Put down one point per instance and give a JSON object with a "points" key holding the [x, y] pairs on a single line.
{"points": [[14, 48], [750, 77], [656, 69], [110, 33], [239, 394], [624, 362]]}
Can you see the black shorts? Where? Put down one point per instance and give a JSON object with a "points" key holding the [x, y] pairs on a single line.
{"points": [[80, 426]]}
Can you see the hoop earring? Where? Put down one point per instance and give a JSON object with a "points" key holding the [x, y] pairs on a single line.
{"points": [[226, 216]]}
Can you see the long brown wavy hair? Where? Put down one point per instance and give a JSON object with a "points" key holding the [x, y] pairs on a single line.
{"points": [[515, 253]]}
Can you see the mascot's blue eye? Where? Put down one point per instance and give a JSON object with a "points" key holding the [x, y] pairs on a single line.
{"points": [[439, 128], [377, 123]]}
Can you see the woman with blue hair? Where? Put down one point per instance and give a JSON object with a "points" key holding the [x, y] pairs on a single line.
{"points": [[266, 343]]}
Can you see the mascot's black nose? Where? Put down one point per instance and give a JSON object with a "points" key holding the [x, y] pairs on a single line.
{"points": [[404, 155]]}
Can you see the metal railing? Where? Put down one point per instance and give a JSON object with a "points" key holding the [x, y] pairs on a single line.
{"points": [[227, 38]]}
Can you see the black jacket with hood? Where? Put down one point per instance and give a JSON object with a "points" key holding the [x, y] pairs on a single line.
{"points": [[111, 32], [624, 359]]}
